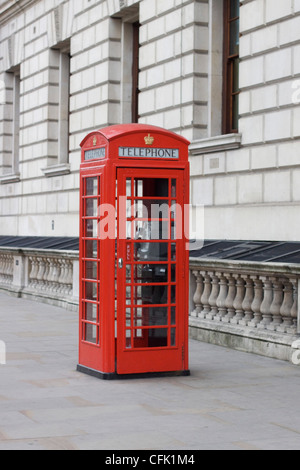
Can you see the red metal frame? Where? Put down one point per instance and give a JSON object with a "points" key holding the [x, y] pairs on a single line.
{"points": [[102, 350]]}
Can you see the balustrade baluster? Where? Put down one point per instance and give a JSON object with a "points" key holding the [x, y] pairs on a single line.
{"points": [[238, 301], [69, 278], [247, 302], [286, 307], [41, 271], [266, 303], [213, 296], [230, 298], [276, 304], [221, 300], [33, 272], [198, 294], [257, 301], [46, 275], [294, 310], [205, 295], [62, 281]]}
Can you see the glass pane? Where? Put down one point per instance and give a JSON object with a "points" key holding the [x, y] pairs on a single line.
{"points": [[173, 273], [91, 312], [173, 251], [154, 230], [151, 273], [151, 251], [151, 187], [173, 336], [91, 207], [175, 209], [128, 295], [173, 316], [128, 187], [235, 111], [128, 339], [234, 38], [91, 186], [157, 295], [234, 8], [235, 76], [138, 188], [173, 294], [158, 337], [128, 273], [91, 228], [91, 333], [151, 209], [91, 290], [91, 249], [151, 316], [91, 270], [173, 188], [128, 317]]}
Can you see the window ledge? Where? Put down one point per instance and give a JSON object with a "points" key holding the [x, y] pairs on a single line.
{"points": [[218, 143], [57, 170], [10, 178]]}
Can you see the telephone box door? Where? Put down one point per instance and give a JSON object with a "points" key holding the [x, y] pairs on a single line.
{"points": [[151, 261]]}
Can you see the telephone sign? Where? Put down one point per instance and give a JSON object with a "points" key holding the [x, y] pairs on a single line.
{"points": [[141, 152], [134, 260]]}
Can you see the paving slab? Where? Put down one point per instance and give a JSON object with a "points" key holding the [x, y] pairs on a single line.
{"points": [[231, 401]]}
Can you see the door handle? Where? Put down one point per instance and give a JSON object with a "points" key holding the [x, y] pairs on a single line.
{"points": [[121, 263]]}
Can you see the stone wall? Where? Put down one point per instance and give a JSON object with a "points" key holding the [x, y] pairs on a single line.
{"points": [[247, 181]]}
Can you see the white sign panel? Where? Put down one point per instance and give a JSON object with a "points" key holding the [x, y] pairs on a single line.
{"points": [[142, 152]]}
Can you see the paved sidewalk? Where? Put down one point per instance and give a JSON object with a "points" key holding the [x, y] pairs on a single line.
{"points": [[232, 400]]}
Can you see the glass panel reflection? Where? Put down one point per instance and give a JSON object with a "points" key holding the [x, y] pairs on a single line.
{"points": [[91, 290], [91, 270], [91, 228], [151, 251], [91, 186], [91, 249], [158, 337], [234, 38], [157, 295], [151, 273], [91, 207], [91, 312], [150, 316], [91, 333], [150, 187]]}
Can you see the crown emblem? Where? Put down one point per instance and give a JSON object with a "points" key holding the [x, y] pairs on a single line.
{"points": [[95, 141], [149, 140]]}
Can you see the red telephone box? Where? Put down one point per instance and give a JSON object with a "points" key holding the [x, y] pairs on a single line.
{"points": [[134, 283]]}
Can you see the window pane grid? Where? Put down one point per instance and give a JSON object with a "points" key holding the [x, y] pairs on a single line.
{"points": [[151, 279], [90, 264]]}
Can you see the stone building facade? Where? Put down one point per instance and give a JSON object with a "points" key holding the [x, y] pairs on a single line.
{"points": [[71, 66], [225, 74]]}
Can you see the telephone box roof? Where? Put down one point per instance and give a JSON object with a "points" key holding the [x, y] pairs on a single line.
{"points": [[113, 132]]}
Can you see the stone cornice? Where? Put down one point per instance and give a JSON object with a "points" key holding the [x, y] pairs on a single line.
{"points": [[9, 8]]}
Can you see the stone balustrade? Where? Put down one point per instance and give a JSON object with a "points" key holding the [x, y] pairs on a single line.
{"points": [[252, 307], [44, 275], [6, 268], [234, 303]]}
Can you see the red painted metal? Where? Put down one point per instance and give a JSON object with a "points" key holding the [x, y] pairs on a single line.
{"points": [[133, 288]]}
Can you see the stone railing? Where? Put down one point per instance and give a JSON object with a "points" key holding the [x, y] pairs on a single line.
{"points": [[248, 306], [44, 275], [252, 307], [6, 268]]}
